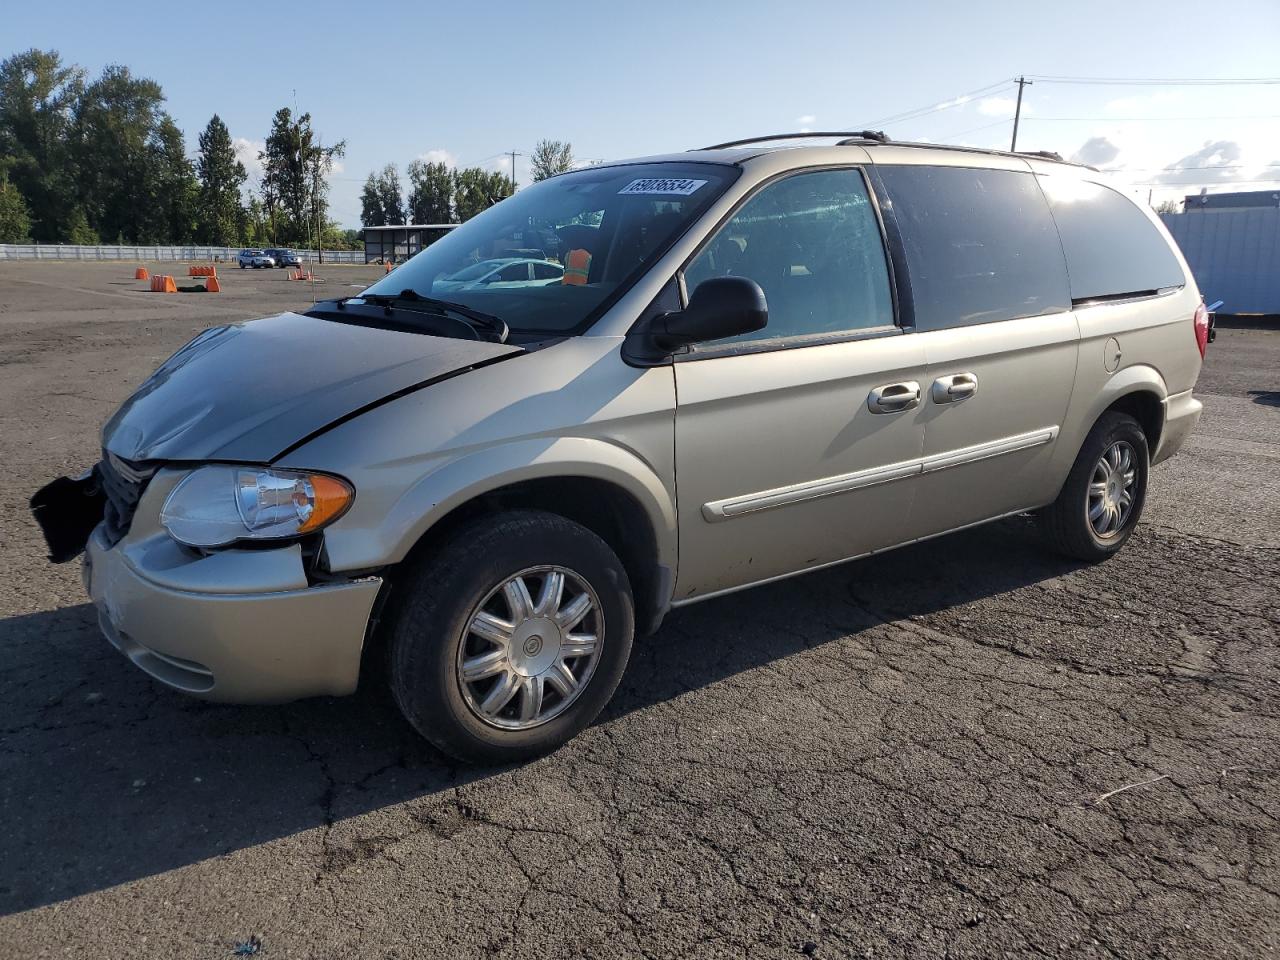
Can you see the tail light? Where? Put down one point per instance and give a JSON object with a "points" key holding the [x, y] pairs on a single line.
{"points": [[1202, 328]]}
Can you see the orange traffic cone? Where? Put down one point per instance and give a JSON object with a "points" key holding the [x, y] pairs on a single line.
{"points": [[211, 285], [163, 285], [141, 274]]}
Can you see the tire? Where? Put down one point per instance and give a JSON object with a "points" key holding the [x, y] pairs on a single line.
{"points": [[443, 593], [1069, 524], [242, 266]]}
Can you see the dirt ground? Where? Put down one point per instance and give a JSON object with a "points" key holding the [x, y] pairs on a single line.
{"points": [[968, 748]]}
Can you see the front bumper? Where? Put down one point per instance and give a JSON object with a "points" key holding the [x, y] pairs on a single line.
{"points": [[202, 625], [1181, 414]]}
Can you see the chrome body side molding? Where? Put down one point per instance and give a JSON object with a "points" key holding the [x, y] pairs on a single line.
{"points": [[718, 510]]}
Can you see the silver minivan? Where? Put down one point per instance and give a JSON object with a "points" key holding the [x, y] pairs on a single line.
{"points": [[756, 360]]}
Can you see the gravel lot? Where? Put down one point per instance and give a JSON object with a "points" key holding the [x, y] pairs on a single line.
{"points": [[895, 759]]}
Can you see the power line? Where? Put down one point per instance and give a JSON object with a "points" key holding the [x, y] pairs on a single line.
{"points": [[1165, 81], [1259, 116], [956, 101], [985, 126], [1202, 183]]}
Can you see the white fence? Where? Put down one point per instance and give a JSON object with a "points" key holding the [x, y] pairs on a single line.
{"points": [[70, 251]]}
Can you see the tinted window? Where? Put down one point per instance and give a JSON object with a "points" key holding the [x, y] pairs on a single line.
{"points": [[813, 244], [1112, 248], [980, 245], [546, 271], [516, 271]]}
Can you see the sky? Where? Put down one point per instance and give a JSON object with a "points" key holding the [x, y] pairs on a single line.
{"points": [[470, 82]]}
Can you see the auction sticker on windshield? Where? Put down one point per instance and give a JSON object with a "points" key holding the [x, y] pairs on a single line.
{"points": [[662, 187]]}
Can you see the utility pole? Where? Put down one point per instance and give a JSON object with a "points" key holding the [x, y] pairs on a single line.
{"points": [[514, 154], [1017, 113]]}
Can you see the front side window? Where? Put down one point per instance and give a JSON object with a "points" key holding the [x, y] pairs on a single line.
{"points": [[812, 242], [588, 235], [980, 244], [1112, 249]]}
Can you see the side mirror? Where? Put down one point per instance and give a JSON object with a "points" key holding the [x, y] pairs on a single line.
{"points": [[720, 307]]}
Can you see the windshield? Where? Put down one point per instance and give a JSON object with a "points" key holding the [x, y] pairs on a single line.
{"points": [[551, 258], [472, 273]]}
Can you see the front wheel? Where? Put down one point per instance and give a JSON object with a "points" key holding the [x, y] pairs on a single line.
{"points": [[1102, 500], [511, 637]]}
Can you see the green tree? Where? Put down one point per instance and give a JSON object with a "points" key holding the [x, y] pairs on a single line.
{"points": [[284, 177], [220, 215], [38, 99], [551, 157], [171, 188], [117, 145], [430, 193], [294, 180], [476, 190], [15, 219], [390, 194], [381, 200], [254, 224], [371, 214], [78, 229]]}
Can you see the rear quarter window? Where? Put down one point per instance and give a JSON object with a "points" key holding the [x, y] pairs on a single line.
{"points": [[1112, 249], [980, 244]]}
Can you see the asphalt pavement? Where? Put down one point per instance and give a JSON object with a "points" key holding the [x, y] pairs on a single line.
{"points": [[966, 748]]}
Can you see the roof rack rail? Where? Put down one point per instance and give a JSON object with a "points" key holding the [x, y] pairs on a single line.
{"points": [[1042, 154], [850, 137]]}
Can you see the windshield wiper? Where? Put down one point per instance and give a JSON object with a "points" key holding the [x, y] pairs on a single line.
{"points": [[494, 325]]}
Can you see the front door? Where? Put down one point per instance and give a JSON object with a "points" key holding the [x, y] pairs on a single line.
{"points": [[798, 445]]}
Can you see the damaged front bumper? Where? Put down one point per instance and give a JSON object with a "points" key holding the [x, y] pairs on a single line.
{"points": [[240, 626]]}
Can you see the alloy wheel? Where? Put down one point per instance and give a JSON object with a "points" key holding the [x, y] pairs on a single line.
{"points": [[530, 648], [1112, 487]]}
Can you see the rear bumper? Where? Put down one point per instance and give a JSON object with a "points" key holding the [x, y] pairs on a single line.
{"points": [[238, 647], [1181, 414]]}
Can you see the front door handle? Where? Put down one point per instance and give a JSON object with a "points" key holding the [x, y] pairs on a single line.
{"points": [[894, 397], [954, 388]]}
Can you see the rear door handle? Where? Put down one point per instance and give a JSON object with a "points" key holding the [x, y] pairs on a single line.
{"points": [[894, 397], [954, 388]]}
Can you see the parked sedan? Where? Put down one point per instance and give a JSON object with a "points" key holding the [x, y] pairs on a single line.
{"points": [[503, 272], [284, 258], [255, 259]]}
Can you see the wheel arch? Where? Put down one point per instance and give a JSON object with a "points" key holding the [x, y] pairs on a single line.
{"points": [[605, 488], [1138, 390]]}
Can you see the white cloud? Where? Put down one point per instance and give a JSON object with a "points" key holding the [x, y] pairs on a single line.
{"points": [[1095, 152], [338, 167], [1218, 161], [1002, 107], [247, 153], [958, 101], [439, 155], [807, 120]]}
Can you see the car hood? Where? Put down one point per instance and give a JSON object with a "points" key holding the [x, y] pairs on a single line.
{"points": [[249, 391]]}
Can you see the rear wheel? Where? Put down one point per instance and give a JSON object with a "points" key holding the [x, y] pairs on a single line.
{"points": [[511, 637], [1102, 500]]}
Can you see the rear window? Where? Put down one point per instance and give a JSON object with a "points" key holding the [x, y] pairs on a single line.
{"points": [[1112, 249], [980, 245]]}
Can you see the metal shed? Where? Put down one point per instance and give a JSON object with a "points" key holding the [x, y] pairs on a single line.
{"points": [[399, 242], [1234, 255]]}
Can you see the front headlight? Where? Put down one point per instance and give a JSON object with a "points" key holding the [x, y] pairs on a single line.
{"points": [[220, 504]]}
